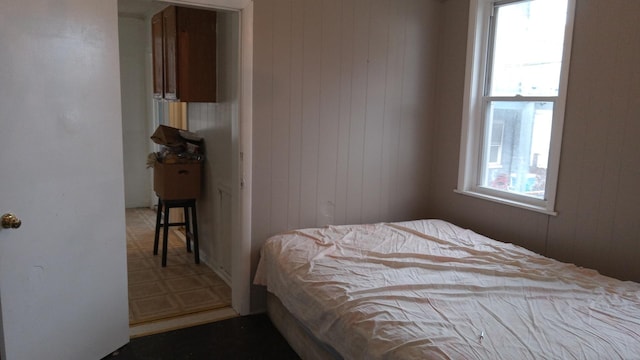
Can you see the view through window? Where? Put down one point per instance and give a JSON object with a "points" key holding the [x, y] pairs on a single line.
{"points": [[523, 70]]}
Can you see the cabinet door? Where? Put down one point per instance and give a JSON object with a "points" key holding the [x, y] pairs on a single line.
{"points": [[170, 53], [184, 54], [157, 49], [196, 36]]}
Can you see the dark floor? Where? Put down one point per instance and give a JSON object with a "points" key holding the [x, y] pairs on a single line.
{"points": [[245, 337]]}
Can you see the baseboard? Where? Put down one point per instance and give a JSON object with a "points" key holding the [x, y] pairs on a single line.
{"points": [[181, 322]]}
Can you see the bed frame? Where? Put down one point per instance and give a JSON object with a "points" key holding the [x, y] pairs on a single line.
{"points": [[297, 335]]}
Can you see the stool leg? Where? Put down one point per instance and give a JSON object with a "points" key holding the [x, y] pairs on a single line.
{"points": [[165, 235], [156, 236], [187, 227], [196, 247]]}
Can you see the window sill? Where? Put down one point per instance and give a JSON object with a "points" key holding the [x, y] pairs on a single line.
{"points": [[503, 201]]}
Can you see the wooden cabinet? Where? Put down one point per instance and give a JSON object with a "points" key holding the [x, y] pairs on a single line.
{"points": [[184, 54]]}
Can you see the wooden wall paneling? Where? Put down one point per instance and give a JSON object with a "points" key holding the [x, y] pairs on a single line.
{"points": [[198, 122], [584, 159], [625, 232], [616, 109], [312, 35], [355, 172], [374, 111], [626, 224], [227, 145], [197, 117], [331, 77], [346, 43], [416, 107], [223, 230], [432, 32], [262, 125], [594, 154], [393, 98], [212, 122], [623, 151], [295, 108], [443, 202], [209, 121], [597, 222], [625, 243], [563, 242], [329, 112], [202, 121], [518, 226], [221, 179], [281, 115]]}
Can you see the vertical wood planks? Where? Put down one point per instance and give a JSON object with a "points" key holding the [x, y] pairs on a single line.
{"points": [[341, 109], [329, 111]]}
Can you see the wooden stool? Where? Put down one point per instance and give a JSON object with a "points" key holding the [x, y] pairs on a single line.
{"points": [[190, 218]]}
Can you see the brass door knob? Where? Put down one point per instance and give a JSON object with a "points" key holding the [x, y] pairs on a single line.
{"points": [[10, 221]]}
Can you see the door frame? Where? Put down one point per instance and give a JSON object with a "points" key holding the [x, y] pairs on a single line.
{"points": [[241, 148]]}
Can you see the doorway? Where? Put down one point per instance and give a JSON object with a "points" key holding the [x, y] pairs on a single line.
{"points": [[182, 294], [217, 211]]}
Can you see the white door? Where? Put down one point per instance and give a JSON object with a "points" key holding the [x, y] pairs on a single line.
{"points": [[63, 281]]}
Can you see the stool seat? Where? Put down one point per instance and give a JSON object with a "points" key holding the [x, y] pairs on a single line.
{"points": [[190, 224]]}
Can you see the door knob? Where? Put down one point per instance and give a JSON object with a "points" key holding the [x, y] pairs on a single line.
{"points": [[10, 221]]}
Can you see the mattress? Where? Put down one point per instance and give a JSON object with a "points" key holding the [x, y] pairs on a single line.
{"points": [[428, 289]]}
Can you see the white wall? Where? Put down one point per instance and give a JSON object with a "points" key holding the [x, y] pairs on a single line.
{"points": [[342, 115], [133, 33]]}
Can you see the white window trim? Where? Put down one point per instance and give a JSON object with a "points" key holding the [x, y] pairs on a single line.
{"points": [[470, 144]]}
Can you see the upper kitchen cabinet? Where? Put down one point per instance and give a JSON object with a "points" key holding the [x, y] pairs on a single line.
{"points": [[184, 54]]}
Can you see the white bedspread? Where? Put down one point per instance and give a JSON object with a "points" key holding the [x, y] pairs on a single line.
{"points": [[388, 291]]}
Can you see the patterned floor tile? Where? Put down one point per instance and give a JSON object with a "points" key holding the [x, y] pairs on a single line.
{"points": [[182, 287]]}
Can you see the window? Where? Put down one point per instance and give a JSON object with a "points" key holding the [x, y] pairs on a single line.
{"points": [[517, 67]]}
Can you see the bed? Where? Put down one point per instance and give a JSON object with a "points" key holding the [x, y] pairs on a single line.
{"points": [[429, 289]]}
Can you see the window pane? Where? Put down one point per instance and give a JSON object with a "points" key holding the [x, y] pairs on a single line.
{"points": [[516, 146], [527, 52]]}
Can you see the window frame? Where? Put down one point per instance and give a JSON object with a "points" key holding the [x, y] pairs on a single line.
{"points": [[474, 103]]}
